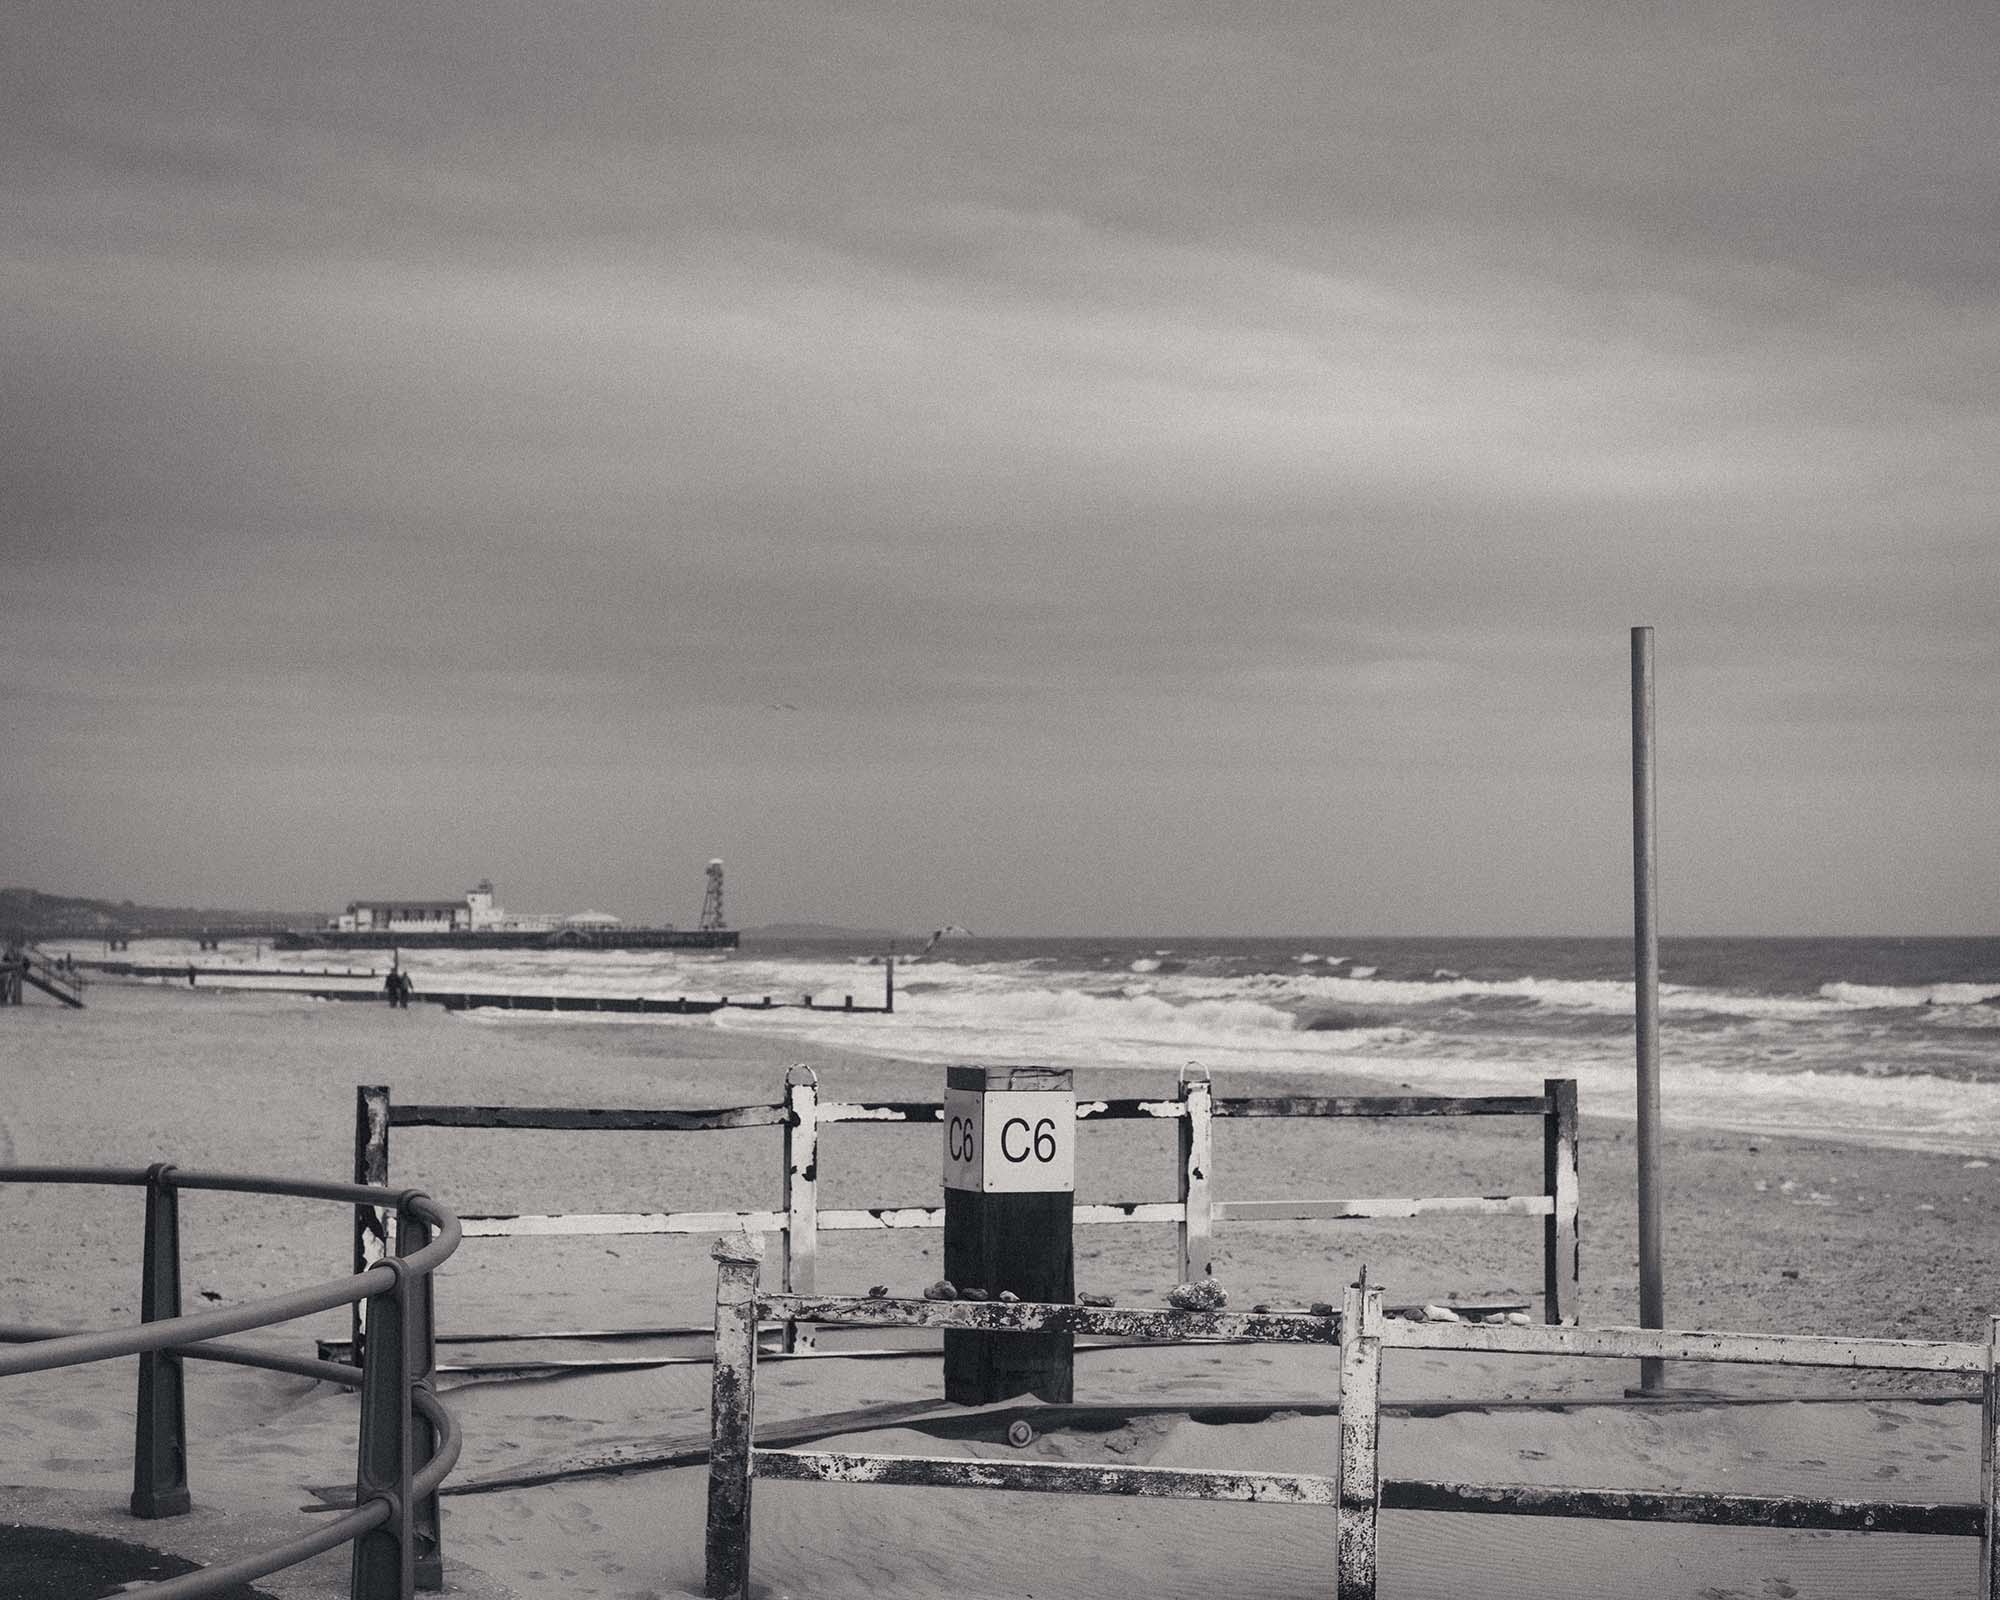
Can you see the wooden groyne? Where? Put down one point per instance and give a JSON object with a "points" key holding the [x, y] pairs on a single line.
{"points": [[143, 969], [682, 1005]]}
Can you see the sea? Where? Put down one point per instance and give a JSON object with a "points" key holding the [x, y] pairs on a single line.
{"points": [[1886, 1041]]}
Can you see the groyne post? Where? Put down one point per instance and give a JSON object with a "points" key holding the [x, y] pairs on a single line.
{"points": [[1195, 1151], [159, 1454], [732, 1404], [1989, 1466], [1646, 1000], [1360, 1482], [801, 1191], [371, 1166], [1562, 1263]]}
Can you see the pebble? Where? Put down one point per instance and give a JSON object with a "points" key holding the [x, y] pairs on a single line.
{"points": [[1324, 1308], [1203, 1295], [1009, 1298], [1441, 1314], [1090, 1298], [1517, 1319], [974, 1291], [1974, 1166], [941, 1290], [879, 1292]]}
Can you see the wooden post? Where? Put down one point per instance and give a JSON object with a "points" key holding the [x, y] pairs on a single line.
{"points": [[1360, 1421], [426, 1516], [371, 1223], [732, 1415], [889, 984], [1196, 1135], [1646, 1000], [1009, 1215], [801, 1192], [159, 1453], [385, 1558], [1989, 1465], [1562, 1266]]}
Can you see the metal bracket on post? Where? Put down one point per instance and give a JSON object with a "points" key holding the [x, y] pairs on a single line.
{"points": [[159, 1454], [801, 1192], [371, 1223], [385, 1557], [1359, 1496], [413, 1233], [1562, 1266], [1196, 1136], [732, 1415]]}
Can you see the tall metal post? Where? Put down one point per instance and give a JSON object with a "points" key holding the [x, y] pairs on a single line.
{"points": [[1646, 999]]}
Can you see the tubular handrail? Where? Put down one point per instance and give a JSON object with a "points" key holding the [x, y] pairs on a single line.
{"points": [[232, 1355], [77, 1349], [400, 1377], [343, 1530]]}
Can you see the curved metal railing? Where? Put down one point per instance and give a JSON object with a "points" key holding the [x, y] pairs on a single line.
{"points": [[408, 1441]]}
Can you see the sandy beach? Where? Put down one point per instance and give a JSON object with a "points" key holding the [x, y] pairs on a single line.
{"points": [[1763, 1234]]}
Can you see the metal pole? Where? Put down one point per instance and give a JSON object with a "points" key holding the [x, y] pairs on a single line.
{"points": [[1646, 999]]}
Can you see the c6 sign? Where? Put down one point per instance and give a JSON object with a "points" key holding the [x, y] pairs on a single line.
{"points": [[1010, 1141]]}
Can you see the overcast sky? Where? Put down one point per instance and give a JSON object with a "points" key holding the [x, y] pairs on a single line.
{"points": [[1049, 468]]}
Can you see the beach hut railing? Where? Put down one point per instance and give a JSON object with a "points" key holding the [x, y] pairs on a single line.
{"points": [[1356, 1491], [408, 1442], [798, 1219]]}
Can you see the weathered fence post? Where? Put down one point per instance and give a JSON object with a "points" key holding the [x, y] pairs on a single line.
{"points": [[413, 1233], [1360, 1474], [801, 1192], [1195, 1143], [384, 1565], [732, 1414], [1562, 1264], [159, 1453], [371, 1223], [1989, 1465]]}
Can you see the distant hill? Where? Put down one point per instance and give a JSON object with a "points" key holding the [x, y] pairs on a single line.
{"points": [[39, 915]]}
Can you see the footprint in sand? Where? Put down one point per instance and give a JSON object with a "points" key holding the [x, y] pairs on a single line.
{"points": [[575, 1518]]}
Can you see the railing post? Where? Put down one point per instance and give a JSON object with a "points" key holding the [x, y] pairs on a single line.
{"points": [[1562, 1264], [1360, 1475], [385, 1558], [732, 1417], [1195, 1144], [801, 1191], [371, 1166], [159, 1453], [1989, 1465], [413, 1233]]}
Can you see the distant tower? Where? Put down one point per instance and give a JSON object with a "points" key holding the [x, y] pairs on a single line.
{"points": [[711, 903]]}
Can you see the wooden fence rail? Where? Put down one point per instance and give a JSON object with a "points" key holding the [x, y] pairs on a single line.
{"points": [[1356, 1491], [1195, 1211]]}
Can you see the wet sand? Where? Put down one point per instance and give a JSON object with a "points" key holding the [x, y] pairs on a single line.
{"points": [[1762, 1234]]}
